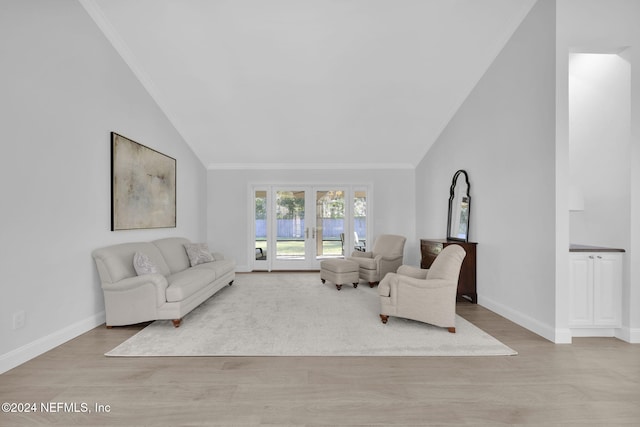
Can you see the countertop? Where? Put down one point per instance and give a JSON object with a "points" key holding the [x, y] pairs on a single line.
{"points": [[588, 248]]}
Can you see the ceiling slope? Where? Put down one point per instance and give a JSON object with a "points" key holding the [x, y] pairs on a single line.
{"points": [[319, 83]]}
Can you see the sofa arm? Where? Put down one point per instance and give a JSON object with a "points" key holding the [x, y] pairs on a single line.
{"points": [[414, 283], [385, 285], [394, 284], [158, 281], [361, 254]]}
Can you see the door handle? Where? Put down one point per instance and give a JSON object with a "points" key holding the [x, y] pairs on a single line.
{"points": [[314, 233], [306, 233]]}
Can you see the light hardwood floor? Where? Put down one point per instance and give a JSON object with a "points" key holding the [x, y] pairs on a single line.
{"points": [[592, 381]]}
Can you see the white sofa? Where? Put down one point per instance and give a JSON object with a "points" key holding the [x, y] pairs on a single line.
{"points": [[170, 293]]}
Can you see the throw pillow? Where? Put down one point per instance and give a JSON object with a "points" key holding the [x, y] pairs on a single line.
{"points": [[198, 253], [143, 265]]}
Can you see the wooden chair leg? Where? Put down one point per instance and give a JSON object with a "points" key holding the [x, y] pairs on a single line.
{"points": [[384, 318]]}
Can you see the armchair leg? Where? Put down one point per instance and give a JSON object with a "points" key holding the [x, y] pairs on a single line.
{"points": [[384, 318], [176, 322], [452, 330], [371, 284]]}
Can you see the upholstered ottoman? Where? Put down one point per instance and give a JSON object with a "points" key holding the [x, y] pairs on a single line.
{"points": [[340, 272]]}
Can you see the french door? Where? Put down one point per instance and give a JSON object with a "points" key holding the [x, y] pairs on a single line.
{"points": [[296, 227]]}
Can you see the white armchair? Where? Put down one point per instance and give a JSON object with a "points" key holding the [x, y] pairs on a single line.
{"points": [[386, 256], [425, 295]]}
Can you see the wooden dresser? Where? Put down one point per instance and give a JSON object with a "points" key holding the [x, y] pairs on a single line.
{"points": [[429, 250]]}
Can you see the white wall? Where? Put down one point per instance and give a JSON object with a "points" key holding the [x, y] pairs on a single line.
{"points": [[599, 126], [64, 89], [229, 208], [599, 26], [504, 137]]}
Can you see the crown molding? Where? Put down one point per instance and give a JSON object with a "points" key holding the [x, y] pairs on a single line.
{"points": [[109, 31], [309, 166]]}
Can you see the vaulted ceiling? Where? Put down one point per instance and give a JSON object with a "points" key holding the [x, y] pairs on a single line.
{"points": [[309, 83]]}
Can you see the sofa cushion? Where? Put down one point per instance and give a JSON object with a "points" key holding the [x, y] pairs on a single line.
{"points": [[185, 283], [198, 253], [172, 249], [220, 267], [143, 265], [116, 262]]}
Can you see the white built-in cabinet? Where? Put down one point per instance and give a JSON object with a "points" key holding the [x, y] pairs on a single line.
{"points": [[595, 291]]}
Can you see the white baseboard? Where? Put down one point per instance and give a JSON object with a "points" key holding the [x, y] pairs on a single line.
{"points": [[42, 345], [563, 336], [545, 331], [558, 335], [630, 335], [243, 269]]}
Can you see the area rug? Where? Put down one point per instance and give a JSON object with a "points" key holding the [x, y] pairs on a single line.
{"points": [[295, 314]]}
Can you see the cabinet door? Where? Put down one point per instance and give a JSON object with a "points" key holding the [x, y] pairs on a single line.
{"points": [[607, 280], [581, 289]]}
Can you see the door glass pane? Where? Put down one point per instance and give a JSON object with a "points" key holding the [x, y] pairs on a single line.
{"points": [[360, 220], [290, 229], [329, 228], [261, 225]]}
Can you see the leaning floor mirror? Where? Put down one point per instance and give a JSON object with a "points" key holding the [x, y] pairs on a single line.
{"points": [[459, 207]]}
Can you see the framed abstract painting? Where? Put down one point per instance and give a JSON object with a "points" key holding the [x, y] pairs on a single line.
{"points": [[143, 186]]}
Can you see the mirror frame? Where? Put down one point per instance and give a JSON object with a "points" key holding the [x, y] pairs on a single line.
{"points": [[452, 190]]}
